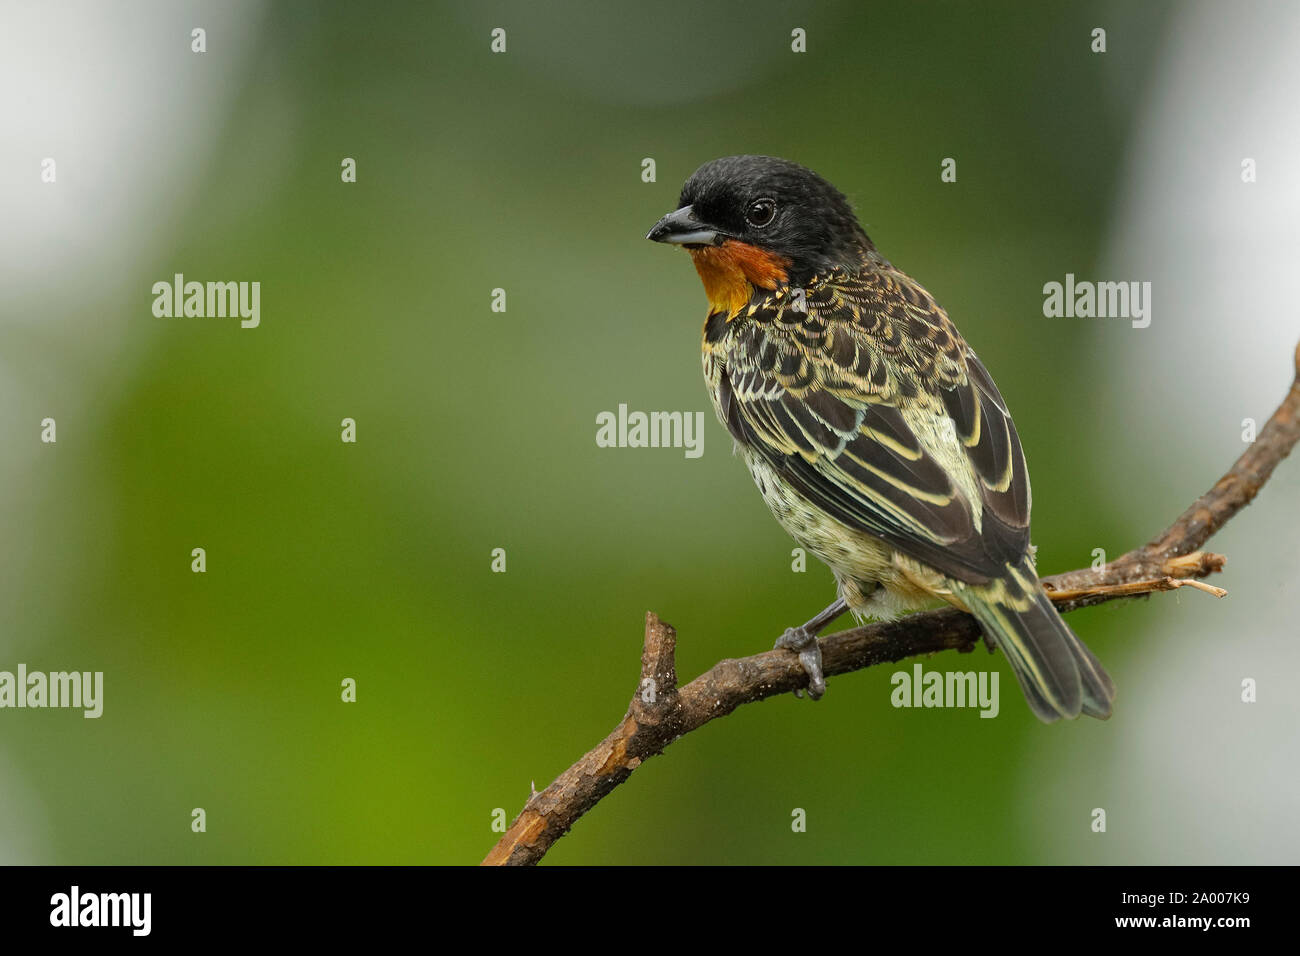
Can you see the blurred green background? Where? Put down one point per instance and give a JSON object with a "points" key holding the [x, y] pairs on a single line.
{"points": [[476, 430]]}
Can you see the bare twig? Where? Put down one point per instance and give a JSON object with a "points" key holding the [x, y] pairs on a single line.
{"points": [[660, 712]]}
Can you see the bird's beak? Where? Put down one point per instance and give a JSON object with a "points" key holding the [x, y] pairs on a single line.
{"points": [[683, 229]]}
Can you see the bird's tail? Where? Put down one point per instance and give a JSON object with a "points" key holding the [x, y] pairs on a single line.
{"points": [[1059, 675]]}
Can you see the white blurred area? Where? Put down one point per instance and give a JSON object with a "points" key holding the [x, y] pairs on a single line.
{"points": [[113, 93], [1186, 772]]}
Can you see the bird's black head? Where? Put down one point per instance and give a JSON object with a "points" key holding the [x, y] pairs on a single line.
{"points": [[773, 205]]}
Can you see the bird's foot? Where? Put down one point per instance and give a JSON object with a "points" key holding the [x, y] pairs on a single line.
{"points": [[804, 641]]}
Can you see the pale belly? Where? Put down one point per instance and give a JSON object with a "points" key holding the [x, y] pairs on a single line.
{"points": [[873, 580]]}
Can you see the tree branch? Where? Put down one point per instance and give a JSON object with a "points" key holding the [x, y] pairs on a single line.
{"points": [[660, 712]]}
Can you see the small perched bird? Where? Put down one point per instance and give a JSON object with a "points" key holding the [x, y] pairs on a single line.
{"points": [[872, 430]]}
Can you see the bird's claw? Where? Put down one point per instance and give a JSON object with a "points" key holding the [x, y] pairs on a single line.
{"points": [[800, 639]]}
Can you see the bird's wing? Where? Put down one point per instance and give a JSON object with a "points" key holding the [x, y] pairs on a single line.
{"points": [[850, 402]]}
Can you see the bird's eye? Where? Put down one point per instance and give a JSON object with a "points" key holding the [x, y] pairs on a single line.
{"points": [[760, 212]]}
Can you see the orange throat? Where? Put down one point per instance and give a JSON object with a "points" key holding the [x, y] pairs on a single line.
{"points": [[730, 273]]}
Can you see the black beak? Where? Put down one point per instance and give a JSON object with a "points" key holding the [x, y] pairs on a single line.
{"points": [[683, 229]]}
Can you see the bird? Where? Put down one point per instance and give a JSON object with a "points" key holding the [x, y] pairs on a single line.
{"points": [[874, 433]]}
